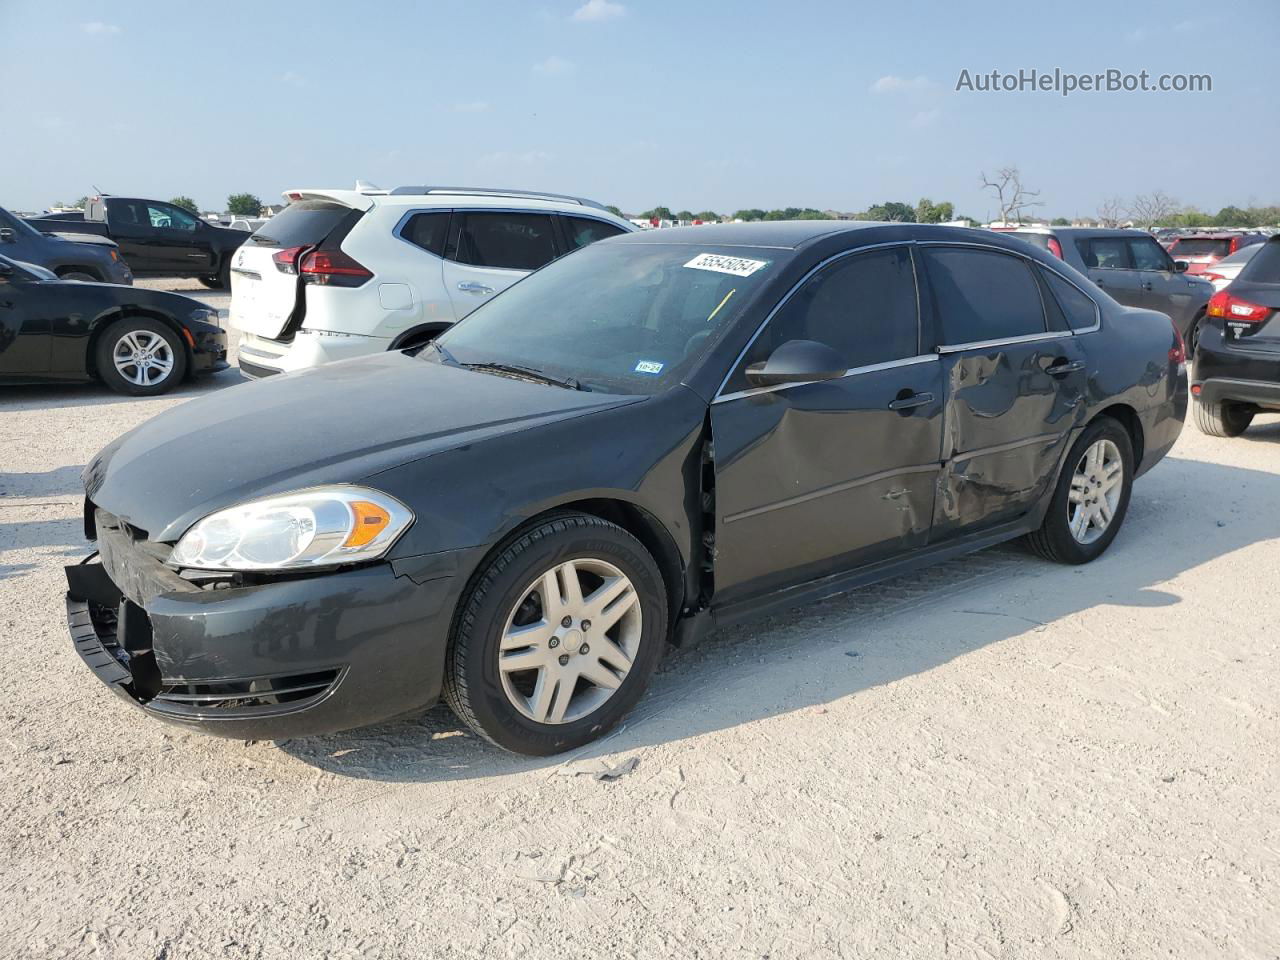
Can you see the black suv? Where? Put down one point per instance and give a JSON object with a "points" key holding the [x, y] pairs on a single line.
{"points": [[1237, 360]]}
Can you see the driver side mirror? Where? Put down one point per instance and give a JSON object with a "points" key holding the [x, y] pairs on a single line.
{"points": [[1180, 266], [797, 361], [8, 235]]}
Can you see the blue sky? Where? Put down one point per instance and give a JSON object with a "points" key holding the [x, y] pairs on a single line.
{"points": [[709, 104]]}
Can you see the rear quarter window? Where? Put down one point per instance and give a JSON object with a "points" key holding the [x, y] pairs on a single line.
{"points": [[1265, 265], [1077, 308]]}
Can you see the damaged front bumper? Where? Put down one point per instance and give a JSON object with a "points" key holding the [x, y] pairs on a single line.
{"points": [[271, 660]]}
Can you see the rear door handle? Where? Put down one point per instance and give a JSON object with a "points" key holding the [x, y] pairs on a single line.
{"points": [[1061, 368], [915, 400], [470, 286]]}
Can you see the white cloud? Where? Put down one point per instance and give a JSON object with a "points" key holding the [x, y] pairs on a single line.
{"points": [[597, 10], [475, 106], [293, 79], [926, 118], [98, 28], [892, 83], [553, 67]]}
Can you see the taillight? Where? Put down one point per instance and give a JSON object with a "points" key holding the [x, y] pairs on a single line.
{"points": [[286, 260], [1223, 304], [332, 268], [1235, 245], [1055, 247], [1178, 352]]}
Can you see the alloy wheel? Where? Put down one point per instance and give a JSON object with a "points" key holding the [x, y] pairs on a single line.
{"points": [[143, 358], [1096, 486], [570, 641]]}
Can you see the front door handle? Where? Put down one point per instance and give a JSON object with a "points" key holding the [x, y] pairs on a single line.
{"points": [[1061, 367], [1146, 285], [470, 286], [914, 400]]}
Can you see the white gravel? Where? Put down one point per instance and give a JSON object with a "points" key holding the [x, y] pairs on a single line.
{"points": [[998, 758]]}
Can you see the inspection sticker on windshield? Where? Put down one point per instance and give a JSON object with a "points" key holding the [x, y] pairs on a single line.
{"points": [[648, 366], [737, 266]]}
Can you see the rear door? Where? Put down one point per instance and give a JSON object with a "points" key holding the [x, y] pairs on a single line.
{"points": [[129, 225], [816, 477], [489, 250], [25, 333], [1110, 267], [182, 248], [1014, 386], [265, 286]]}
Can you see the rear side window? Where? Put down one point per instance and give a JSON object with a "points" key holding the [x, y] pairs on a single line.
{"points": [[1105, 253], [512, 241], [1146, 254], [304, 223], [983, 295], [1265, 265], [583, 230], [1080, 312], [428, 231]]}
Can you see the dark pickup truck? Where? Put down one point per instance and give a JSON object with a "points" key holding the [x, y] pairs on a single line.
{"points": [[156, 239]]}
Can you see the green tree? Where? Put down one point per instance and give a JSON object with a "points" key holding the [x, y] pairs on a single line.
{"points": [[614, 210], [708, 216], [659, 213], [244, 205], [684, 215], [891, 212], [1234, 217], [186, 203], [1061, 222], [929, 212], [755, 213]]}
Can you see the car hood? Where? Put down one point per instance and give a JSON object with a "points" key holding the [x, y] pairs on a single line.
{"points": [[337, 423], [70, 236]]}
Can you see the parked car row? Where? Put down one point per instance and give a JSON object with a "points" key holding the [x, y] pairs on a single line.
{"points": [[70, 256]]}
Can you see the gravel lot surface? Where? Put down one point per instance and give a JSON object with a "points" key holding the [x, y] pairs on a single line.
{"points": [[997, 758]]}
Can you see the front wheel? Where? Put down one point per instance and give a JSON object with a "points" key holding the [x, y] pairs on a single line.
{"points": [[79, 275], [140, 357], [1092, 496], [1223, 418], [557, 639]]}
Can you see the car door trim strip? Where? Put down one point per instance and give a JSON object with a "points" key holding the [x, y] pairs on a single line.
{"points": [[834, 488]]}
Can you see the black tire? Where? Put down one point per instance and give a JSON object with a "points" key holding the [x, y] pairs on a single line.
{"points": [[473, 686], [111, 338], [1224, 418], [213, 283], [1054, 540], [78, 275], [1193, 336]]}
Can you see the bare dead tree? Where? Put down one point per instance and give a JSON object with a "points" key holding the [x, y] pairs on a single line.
{"points": [[1012, 197], [1148, 209], [1111, 212]]}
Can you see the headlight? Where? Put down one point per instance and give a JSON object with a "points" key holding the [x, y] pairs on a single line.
{"points": [[320, 527]]}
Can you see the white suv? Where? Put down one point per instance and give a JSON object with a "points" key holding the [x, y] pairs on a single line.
{"points": [[344, 273]]}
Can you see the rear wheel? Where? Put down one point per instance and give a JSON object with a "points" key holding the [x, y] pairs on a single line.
{"points": [[557, 639], [213, 283], [140, 357], [1091, 498], [1225, 418], [1193, 336], [79, 275]]}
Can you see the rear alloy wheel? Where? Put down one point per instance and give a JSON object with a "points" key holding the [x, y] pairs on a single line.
{"points": [[1223, 418], [557, 639], [1092, 496], [141, 357]]}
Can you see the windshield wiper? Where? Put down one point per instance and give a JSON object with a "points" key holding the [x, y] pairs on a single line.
{"points": [[527, 373], [444, 352]]}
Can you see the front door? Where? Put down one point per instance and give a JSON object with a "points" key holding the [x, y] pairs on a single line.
{"points": [[25, 340], [489, 251], [812, 478], [1015, 387]]}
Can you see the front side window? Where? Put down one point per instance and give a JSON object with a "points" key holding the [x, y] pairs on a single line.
{"points": [[164, 217], [1105, 253], [511, 241], [583, 230], [630, 318], [983, 295], [863, 306], [1148, 255]]}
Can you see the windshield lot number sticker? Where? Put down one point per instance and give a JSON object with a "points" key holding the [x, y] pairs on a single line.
{"points": [[737, 266], [648, 366]]}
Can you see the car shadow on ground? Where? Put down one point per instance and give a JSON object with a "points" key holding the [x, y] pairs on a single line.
{"points": [[52, 396], [1264, 431], [858, 640], [59, 482]]}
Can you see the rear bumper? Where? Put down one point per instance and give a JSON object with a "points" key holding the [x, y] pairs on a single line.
{"points": [[1162, 424], [260, 357], [1258, 392], [275, 660], [1235, 370]]}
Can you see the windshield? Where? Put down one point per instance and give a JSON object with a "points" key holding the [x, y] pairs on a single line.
{"points": [[617, 317], [1200, 247], [17, 224], [1243, 255]]}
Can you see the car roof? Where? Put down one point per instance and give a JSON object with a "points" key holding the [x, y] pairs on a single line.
{"points": [[787, 234], [481, 197], [1083, 231]]}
